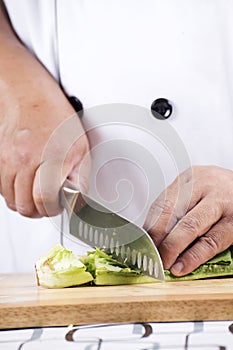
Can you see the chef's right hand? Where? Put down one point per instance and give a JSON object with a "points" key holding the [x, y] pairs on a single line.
{"points": [[42, 139]]}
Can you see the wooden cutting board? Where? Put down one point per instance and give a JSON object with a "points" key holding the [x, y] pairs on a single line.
{"points": [[23, 304]]}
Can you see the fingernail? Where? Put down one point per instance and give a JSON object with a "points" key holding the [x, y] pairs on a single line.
{"points": [[177, 268]]}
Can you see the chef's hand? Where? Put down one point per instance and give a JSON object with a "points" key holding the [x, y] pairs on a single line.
{"points": [[192, 220], [42, 141]]}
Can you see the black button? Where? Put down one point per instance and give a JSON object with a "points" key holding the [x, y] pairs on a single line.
{"points": [[76, 104], [161, 108]]}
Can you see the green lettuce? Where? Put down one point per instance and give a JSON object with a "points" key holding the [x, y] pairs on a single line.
{"points": [[59, 268], [107, 271]]}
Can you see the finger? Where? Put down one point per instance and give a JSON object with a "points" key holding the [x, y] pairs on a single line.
{"points": [[23, 193], [217, 239], [172, 205], [48, 181], [180, 188], [163, 207], [46, 186], [7, 188], [52, 174], [64, 150], [165, 203], [194, 224]]}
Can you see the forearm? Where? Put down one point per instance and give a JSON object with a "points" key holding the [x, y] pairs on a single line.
{"points": [[5, 26], [14, 56], [42, 140], [22, 76]]}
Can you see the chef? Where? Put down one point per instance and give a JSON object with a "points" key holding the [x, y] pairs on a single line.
{"points": [[152, 83]]}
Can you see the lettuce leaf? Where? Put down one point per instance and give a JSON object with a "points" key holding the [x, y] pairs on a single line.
{"points": [[59, 268], [107, 271]]}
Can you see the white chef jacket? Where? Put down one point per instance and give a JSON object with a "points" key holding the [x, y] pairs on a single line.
{"points": [[117, 57]]}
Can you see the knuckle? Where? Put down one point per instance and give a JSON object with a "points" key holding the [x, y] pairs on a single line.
{"points": [[4, 156], [24, 157], [193, 257], [155, 236], [190, 223], [11, 205], [167, 207], [25, 210], [187, 175], [167, 246], [169, 252], [229, 219], [47, 205], [194, 169], [162, 210], [212, 242]]}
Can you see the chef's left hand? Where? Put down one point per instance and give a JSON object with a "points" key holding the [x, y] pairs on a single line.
{"points": [[192, 220]]}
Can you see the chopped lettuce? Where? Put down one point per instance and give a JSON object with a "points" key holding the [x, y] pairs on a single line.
{"points": [[59, 268], [108, 271]]}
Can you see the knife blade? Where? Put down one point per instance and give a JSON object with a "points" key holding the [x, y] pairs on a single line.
{"points": [[97, 226]]}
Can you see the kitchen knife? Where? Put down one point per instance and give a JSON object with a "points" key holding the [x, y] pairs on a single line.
{"points": [[97, 226]]}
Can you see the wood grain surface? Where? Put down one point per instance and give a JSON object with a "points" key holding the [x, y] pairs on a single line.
{"points": [[24, 304]]}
